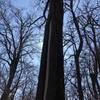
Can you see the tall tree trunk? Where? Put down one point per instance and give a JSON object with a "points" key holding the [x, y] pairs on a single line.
{"points": [[51, 77], [77, 53], [43, 64], [54, 84], [77, 56]]}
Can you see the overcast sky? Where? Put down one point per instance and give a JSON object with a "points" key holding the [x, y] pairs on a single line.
{"points": [[26, 4], [21, 3]]}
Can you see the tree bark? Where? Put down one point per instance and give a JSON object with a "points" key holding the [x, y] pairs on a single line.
{"points": [[77, 53], [43, 64], [94, 80], [54, 84], [78, 75], [51, 76]]}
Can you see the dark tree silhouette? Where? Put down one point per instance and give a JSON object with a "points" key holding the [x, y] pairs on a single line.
{"points": [[51, 77]]}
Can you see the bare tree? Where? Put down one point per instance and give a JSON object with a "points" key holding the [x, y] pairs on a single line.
{"points": [[83, 20], [16, 39]]}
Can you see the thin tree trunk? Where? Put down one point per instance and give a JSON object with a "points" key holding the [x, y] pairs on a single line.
{"points": [[9, 83], [80, 91], [77, 53], [94, 79]]}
